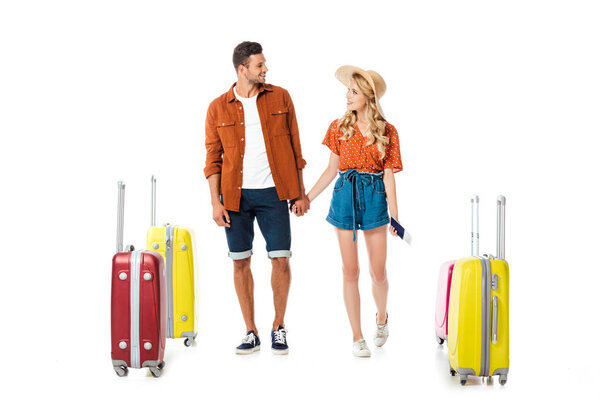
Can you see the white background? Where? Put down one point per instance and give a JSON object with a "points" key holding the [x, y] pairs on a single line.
{"points": [[488, 98]]}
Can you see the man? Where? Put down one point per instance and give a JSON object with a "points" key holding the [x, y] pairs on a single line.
{"points": [[254, 166]]}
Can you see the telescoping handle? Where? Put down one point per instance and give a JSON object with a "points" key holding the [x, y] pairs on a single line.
{"points": [[120, 215], [153, 202], [500, 234], [475, 225]]}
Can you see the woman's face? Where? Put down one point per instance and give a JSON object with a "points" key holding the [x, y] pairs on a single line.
{"points": [[356, 100]]}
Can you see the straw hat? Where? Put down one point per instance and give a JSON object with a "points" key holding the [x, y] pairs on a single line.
{"points": [[344, 75]]}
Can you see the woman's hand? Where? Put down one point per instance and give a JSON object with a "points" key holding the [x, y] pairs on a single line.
{"points": [[390, 193], [300, 206], [391, 228], [328, 175]]}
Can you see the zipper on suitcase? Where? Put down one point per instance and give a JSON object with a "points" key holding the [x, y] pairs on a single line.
{"points": [[488, 309], [485, 316], [135, 307], [169, 266]]}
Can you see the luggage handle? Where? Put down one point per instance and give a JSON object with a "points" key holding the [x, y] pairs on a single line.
{"points": [[120, 215], [475, 216], [153, 202], [495, 320], [500, 222]]}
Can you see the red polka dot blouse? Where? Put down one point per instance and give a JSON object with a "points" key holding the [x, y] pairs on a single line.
{"points": [[356, 154]]}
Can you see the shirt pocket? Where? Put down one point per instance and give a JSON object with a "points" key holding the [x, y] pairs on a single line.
{"points": [[279, 120], [226, 131]]}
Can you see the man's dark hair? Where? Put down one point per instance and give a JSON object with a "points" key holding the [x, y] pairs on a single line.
{"points": [[243, 51]]}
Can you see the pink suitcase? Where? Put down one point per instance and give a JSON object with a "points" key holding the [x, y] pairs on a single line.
{"points": [[441, 303], [445, 279], [138, 306]]}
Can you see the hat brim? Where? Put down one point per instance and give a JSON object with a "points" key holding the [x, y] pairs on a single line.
{"points": [[345, 72]]}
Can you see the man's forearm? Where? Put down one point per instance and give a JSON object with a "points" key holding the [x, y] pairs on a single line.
{"points": [[301, 183], [214, 184]]}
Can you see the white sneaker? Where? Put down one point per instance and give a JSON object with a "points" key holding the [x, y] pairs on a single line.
{"points": [[360, 349], [381, 334]]}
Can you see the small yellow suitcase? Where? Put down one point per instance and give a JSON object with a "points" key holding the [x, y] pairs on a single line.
{"points": [[175, 244], [478, 313]]}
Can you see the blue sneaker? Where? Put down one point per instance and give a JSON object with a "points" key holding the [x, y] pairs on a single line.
{"points": [[279, 341], [250, 344]]}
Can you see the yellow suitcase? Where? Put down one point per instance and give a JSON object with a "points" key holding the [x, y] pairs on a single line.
{"points": [[478, 313], [175, 244]]}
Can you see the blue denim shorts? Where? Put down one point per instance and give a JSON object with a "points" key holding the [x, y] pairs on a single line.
{"points": [[273, 220], [358, 201]]}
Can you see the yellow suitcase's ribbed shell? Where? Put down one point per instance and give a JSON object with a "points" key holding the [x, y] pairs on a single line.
{"points": [[465, 317], [183, 275], [499, 351]]}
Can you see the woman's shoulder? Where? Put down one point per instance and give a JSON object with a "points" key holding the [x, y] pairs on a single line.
{"points": [[390, 129], [334, 125]]}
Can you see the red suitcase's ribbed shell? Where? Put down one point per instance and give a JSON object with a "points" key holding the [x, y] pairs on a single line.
{"points": [[153, 307]]}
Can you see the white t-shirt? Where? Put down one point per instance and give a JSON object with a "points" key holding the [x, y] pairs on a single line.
{"points": [[256, 170]]}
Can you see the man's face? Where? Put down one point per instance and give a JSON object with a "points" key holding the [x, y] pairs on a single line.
{"points": [[257, 69]]}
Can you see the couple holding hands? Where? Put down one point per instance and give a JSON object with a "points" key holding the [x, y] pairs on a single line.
{"points": [[254, 166]]}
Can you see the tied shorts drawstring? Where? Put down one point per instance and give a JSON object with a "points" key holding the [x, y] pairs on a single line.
{"points": [[358, 180]]}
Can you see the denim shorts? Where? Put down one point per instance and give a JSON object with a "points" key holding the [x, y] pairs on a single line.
{"points": [[358, 201], [273, 220]]}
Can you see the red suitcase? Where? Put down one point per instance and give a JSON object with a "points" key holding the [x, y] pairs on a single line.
{"points": [[138, 305]]}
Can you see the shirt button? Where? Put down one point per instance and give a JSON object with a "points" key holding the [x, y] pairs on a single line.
{"points": [[242, 139], [239, 188], [240, 108], [223, 124], [241, 123]]}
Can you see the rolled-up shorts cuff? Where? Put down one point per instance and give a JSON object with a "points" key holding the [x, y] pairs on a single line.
{"points": [[348, 227], [375, 224], [339, 224], [279, 253], [240, 255]]}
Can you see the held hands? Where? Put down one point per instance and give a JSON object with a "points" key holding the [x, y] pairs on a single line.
{"points": [[300, 206], [220, 215]]}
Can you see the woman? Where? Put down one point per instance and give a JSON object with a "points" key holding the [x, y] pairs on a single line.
{"points": [[366, 152]]}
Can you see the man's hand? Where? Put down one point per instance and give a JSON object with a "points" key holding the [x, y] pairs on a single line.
{"points": [[220, 215], [300, 206]]}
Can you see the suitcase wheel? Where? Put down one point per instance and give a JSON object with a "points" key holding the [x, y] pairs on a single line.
{"points": [[188, 342], [157, 371], [439, 340], [503, 379], [121, 370], [452, 372], [463, 380]]}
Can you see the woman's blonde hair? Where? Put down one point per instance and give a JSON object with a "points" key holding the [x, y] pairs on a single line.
{"points": [[375, 121]]}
